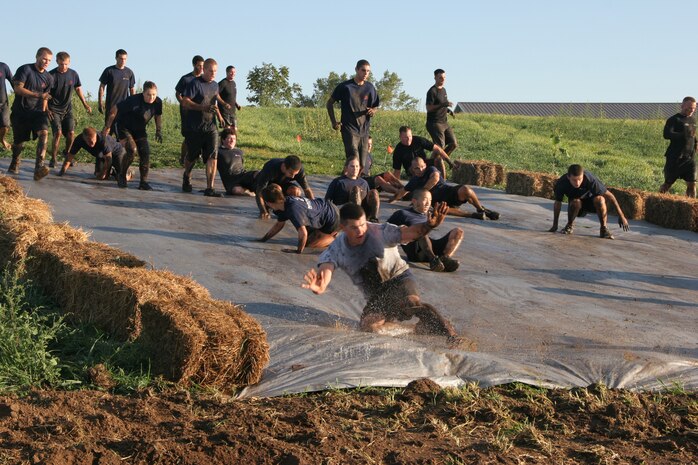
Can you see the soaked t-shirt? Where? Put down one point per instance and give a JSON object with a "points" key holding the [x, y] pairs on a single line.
{"points": [[118, 83], [271, 173], [179, 88], [436, 96], [590, 187], [340, 189], [134, 113], [229, 93], [404, 154], [355, 100], [203, 93], [34, 81], [62, 90], [680, 130], [312, 213], [407, 217], [104, 145]]}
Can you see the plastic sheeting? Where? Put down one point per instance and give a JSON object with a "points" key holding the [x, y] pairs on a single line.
{"points": [[542, 308]]}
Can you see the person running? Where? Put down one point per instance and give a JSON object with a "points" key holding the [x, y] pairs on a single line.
{"points": [[436, 252], [316, 220], [381, 182], [198, 64], [130, 118], [359, 103], [368, 253], [411, 147], [454, 195], [231, 166], [32, 83], [585, 194], [437, 114], [60, 106], [119, 82], [108, 152], [349, 187], [228, 91], [680, 130], [285, 172], [5, 74]]}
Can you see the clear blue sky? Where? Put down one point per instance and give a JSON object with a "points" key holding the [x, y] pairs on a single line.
{"points": [[585, 51]]}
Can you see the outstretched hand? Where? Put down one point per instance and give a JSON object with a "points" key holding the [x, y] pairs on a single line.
{"points": [[623, 223], [438, 215], [313, 281]]}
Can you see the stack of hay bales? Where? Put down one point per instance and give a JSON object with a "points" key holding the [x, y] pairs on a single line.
{"points": [[477, 173], [188, 336], [631, 201], [672, 211], [529, 184]]}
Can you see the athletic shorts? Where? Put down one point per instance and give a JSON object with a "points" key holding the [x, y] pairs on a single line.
{"points": [[201, 142], [389, 299], [244, 180], [416, 254], [5, 115], [371, 180], [229, 119], [448, 194], [680, 169], [587, 207], [64, 123], [441, 134], [122, 132], [26, 125]]}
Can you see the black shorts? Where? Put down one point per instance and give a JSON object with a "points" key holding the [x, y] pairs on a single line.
{"points": [[229, 119], [441, 134], [64, 123], [244, 180], [5, 115], [587, 206], [201, 142], [448, 194], [371, 180], [680, 169], [26, 125], [416, 254], [389, 299], [122, 132]]}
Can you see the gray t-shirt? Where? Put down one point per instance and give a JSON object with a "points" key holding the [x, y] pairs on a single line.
{"points": [[380, 246]]}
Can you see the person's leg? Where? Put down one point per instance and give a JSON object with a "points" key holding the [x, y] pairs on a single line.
{"points": [[691, 189], [436, 133], [371, 205], [441, 166], [210, 148], [355, 196], [455, 237], [143, 163], [131, 151], [425, 252], [573, 208], [3, 133], [55, 143], [351, 143], [451, 142], [362, 142], [601, 210], [40, 171], [17, 148], [430, 320], [670, 177], [319, 240]]}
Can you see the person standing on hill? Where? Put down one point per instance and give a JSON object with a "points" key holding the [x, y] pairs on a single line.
{"points": [[437, 114], [680, 130], [119, 82], [198, 64], [32, 83], [60, 106], [228, 91], [5, 74], [359, 103]]}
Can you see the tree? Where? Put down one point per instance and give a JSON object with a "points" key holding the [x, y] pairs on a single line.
{"points": [[323, 87], [392, 97], [270, 87]]}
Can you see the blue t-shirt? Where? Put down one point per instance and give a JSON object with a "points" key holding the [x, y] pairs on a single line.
{"points": [[204, 93], [118, 83], [5, 74], [104, 145], [355, 100], [407, 217], [62, 91], [271, 174], [418, 182], [590, 187], [340, 189], [179, 88], [134, 113], [34, 81], [313, 213]]}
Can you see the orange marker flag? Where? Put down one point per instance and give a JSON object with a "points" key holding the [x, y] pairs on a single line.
{"points": [[298, 138], [390, 149]]}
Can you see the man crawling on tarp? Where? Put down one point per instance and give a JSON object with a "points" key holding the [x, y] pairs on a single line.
{"points": [[368, 253]]}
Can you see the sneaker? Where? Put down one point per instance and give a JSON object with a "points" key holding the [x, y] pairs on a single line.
{"points": [[373, 219], [569, 229], [186, 185], [14, 168], [436, 265], [210, 192], [491, 214], [144, 186], [52, 163], [450, 264], [40, 172], [121, 181], [478, 215], [605, 233]]}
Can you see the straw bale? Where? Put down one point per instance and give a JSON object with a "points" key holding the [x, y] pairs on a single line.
{"points": [[9, 187], [672, 211], [23, 208], [631, 201], [477, 173], [16, 237], [529, 184]]}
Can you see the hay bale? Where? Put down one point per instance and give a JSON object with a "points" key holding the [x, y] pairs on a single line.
{"points": [[530, 184], [16, 237], [9, 187], [477, 173], [23, 208], [672, 211], [631, 201]]}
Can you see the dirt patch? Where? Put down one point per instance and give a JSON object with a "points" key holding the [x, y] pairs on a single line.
{"points": [[513, 424]]}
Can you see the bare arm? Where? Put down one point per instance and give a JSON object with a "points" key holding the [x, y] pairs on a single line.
{"points": [[132, 90], [110, 119], [622, 221], [24, 92], [100, 98], [330, 112], [81, 96], [273, 231], [107, 167], [317, 281], [439, 152], [556, 215], [302, 239], [414, 232], [309, 193], [433, 180]]}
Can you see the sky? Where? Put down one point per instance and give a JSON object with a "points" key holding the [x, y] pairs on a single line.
{"points": [[498, 51]]}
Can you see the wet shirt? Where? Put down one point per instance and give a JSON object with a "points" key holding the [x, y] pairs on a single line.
{"points": [[312, 213], [179, 88], [104, 145], [203, 93], [340, 189], [230, 161], [5, 74], [34, 81], [271, 174], [62, 91], [404, 154], [590, 187], [134, 113], [407, 217], [436, 96], [418, 182], [355, 101], [229, 93], [378, 249], [681, 132], [118, 83]]}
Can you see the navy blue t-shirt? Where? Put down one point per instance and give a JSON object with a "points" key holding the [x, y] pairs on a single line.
{"points": [[229, 93], [418, 182], [180, 87], [590, 187], [340, 188], [62, 91], [355, 100], [118, 83], [271, 174], [313, 213], [5, 74], [407, 217], [404, 154], [104, 145], [134, 114], [34, 81], [204, 93]]}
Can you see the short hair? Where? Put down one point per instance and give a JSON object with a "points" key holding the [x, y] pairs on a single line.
{"points": [[420, 193], [350, 211], [575, 170], [227, 132], [120, 52], [62, 56], [293, 162], [149, 85], [228, 68], [351, 159], [405, 129], [438, 71], [361, 63], [89, 131], [196, 59], [416, 160], [43, 50], [688, 99], [273, 193], [210, 62]]}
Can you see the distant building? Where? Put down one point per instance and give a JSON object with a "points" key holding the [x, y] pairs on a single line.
{"points": [[584, 110]]}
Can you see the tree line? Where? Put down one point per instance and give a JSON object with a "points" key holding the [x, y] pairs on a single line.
{"points": [[270, 86]]}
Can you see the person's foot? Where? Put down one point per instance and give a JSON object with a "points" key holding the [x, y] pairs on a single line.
{"points": [[13, 168], [478, 215], [211, 192], [186, 185], [144, 186], [436, 265], [490, 214], [52, 163], [568, 229], [373, 219], [40, 172], [6, 145], [450, 264], [121, 181], [605, 233]]}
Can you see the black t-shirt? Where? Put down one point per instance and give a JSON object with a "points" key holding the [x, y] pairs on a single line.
{"points": [[436, 96], [5, 73], [355, 101], [62, 91], [118, 83], [104, 145], [340, 188], [418, 182], [590, 187], [681, 132], [34, 81], [204, 93], [313, 213], [179, 88], [230, 161], [271, 173], [133, 113], [229, 93], [404, 154], [407, 217]]}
